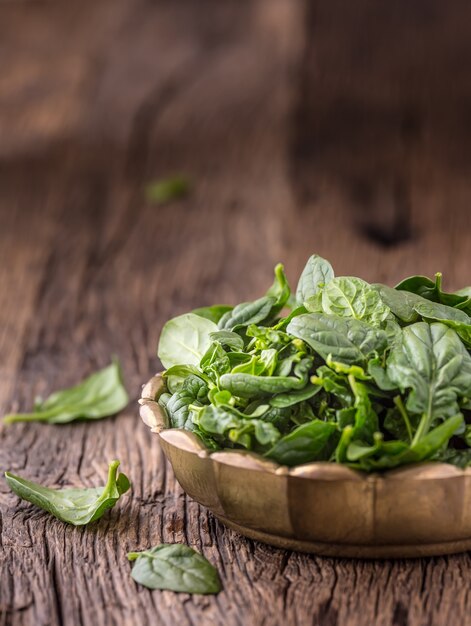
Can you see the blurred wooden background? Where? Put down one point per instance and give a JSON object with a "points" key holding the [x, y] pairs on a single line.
{"points": [[324, 126]]}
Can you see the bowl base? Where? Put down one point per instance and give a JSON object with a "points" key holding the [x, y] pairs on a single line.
{"points": [[345, 550]]}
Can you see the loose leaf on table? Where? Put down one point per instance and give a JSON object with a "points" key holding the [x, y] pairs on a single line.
{"points": [[350, 297], [72, 505], [175, 568], [100, 395], [434, 365], [185, 339], [316, 273], [346, 340], [167, 189]]}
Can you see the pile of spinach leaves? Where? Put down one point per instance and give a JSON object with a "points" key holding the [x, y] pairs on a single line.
{"points": [[355, 373]]}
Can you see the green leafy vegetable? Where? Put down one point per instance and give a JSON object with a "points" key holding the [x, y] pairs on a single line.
{"points": [[316, 273], [345, 340], [432, 290], [351, 298], [185, 339], [213, 313], [168, 189], [175, 567], [366, 375], [100, 395], [72, 505]]}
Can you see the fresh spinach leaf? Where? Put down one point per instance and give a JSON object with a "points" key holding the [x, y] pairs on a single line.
{"points": [[194, 391], [247, 313], [213, 313], [350, 297], [252, 386], [315, 274], [345, 340], [72, 505], [176, 568], [185, 339], [100, 395], [305, 444], [432, 290], [167, 189], [230, 340], [434, 365]]}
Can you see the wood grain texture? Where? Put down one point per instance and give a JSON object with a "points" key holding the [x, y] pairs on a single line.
{"points": [[123, 93]]}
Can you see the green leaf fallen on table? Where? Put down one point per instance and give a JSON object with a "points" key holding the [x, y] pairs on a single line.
{"points": [[167, 189], [72, 505], [176, 568], [100, 395]]}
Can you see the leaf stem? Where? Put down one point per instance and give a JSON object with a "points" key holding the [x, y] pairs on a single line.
{"points": [[402, 410]]}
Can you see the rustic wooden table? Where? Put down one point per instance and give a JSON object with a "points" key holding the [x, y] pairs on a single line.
{"points": [[292, 149]]}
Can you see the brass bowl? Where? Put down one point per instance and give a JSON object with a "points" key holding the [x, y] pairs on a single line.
{"points": [[324, 508]]}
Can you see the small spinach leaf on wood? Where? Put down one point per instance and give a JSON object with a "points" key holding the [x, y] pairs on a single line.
{"points": [[100, 395], [72, 505], [176, 568]]}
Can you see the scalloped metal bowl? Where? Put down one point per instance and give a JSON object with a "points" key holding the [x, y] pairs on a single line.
{"points": [[323, 508]]}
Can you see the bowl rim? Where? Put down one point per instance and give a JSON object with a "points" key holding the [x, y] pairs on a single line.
{"points": [[155, 418]]}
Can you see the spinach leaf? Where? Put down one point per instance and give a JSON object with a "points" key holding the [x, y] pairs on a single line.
{"points": [[305, 444], [194, 391], [176, 375], [345, 340], [454, 318], [394, 454], [294, 397], [315, 274], [176, 568], [213, 313], [245, 431], [72, 505], [247, 313], [351, 298], [432, 290], [279, 290], [252, 386], [185, 339], [167, 189], [432, 362], [230, 340], [401, 303], [100, 395]]}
